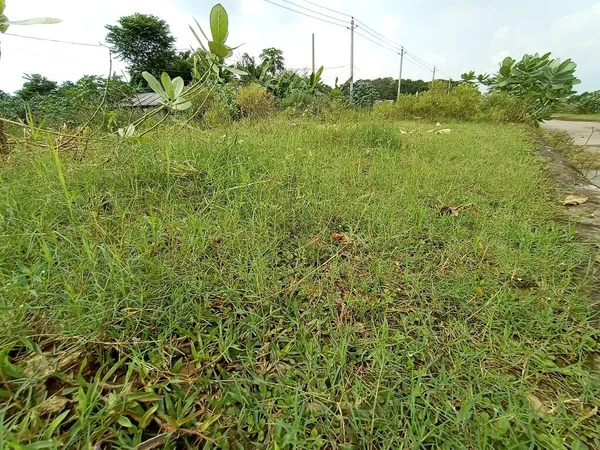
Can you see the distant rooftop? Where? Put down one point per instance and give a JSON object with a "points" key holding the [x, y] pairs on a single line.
{"points": [[145, 100]]}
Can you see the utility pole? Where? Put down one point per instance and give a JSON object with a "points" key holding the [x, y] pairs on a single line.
{"points": [[400, 77], [449, 85], [352, 56], [433, 78], [313, 53]]}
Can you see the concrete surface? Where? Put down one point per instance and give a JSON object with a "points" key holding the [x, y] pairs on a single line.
{"points": [[586, 217], [581, 132]]}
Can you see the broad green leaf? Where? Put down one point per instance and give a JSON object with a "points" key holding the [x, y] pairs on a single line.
{"points": [[235, 71], [168, 85], [178, 86], [125, 422], [154, 85], [2, 6], [181, 104], [37, 21], [218, 49], [198, 38], [201, 30], [219, 24], [4, 24], [54, 425], [40, 445]]}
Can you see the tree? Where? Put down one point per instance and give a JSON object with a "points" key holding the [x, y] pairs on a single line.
{"points": [[145, 43], [273, 59], [544, 84], [387, 88], [35, 85]]}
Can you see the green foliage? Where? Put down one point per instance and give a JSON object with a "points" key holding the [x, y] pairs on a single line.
{"points": [[544, 84], [471, 78], [35, 85], [586, 103], [387, 88], [70, 103], [209, 59], [216, 105], [314, 80], [293, 285], [365, 95], [145, 43], [255, 102], [464, 102], [504, 108], [272, 58], [170, 91]]}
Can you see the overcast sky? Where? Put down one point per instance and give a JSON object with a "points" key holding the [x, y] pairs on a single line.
{"points": [[455, 35]]}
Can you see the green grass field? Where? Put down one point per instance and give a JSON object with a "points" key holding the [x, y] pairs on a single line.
{"points": [[281, 284], [576, 117]]}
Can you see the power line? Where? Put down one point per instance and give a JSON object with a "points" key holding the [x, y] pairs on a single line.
{"points": [[328, 9], [377, 43], [398, 48], [313, 11], [416, 63], [379, 35], [307, 15], [337, 67], [55, 40], [419, 59], [378, 38]]}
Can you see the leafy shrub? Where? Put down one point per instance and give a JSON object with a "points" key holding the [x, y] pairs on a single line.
{"points": [[297, 99], [462, 103], [501, 107], [255, 101], [364, 95], [542, 83], [588, 103]]}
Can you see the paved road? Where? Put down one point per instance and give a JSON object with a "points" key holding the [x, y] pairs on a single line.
{"points": [[580, 131]]}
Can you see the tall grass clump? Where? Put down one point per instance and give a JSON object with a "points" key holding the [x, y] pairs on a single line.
{"points": [[255, 102], [463, 102]]}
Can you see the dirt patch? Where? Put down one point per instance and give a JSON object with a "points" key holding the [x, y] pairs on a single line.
{"points": [[585, 217]]}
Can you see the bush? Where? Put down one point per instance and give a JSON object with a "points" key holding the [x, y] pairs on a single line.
{"points": [[300, 103], [589, 103], [462, 103], [255, 102], [216, 105], [365, 95], [501, 107]]}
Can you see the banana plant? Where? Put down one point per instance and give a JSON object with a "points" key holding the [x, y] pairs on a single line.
{"points": [[314, 80], [171, 91], [5, 23]]}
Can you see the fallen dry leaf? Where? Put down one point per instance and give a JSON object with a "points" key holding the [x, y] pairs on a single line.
{"points": [[538, 406], [479, 291], [444, 131], [575, 200], [448, 210], [341, 238], [53, 405]]}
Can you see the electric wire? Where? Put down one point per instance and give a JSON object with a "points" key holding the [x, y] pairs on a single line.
{"points": [[307, 15]]}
